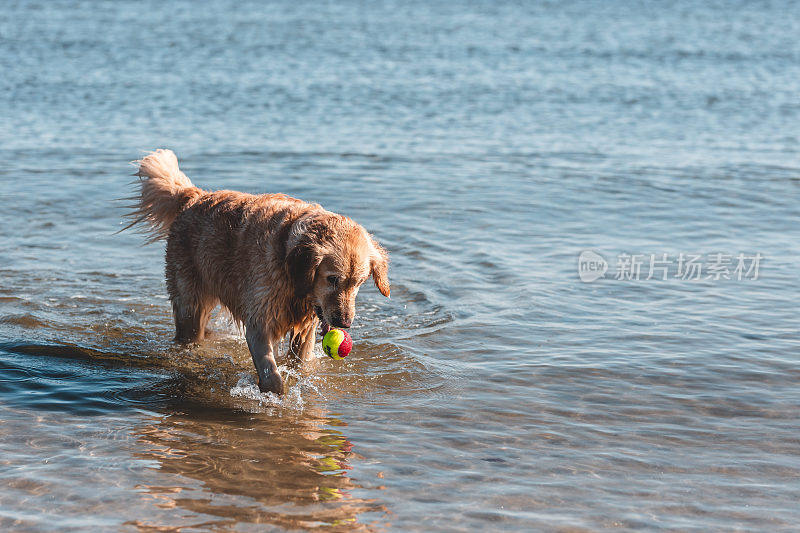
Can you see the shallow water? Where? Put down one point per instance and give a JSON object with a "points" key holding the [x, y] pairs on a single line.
{"points": [[486, 145]]}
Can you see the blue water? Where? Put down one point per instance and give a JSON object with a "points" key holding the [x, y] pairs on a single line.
{"points": [[486, 145]]}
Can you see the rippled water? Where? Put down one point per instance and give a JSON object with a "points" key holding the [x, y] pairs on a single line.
{"points": [[486, 144]]}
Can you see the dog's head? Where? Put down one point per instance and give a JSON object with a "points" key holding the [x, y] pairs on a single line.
{"points": [[328, 258]]}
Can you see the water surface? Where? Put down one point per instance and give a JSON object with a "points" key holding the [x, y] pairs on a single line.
{"points": [[486, 144]]}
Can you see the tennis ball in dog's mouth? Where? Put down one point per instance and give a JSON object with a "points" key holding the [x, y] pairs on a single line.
{"points": [[337, 344]]}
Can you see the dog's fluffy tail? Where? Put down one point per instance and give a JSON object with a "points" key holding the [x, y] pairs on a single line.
{"points": [[165, 192]]}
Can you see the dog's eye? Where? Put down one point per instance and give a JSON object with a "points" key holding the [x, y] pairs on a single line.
{"points": [[333, 280]]}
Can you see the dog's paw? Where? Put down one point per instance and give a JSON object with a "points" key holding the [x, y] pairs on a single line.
{"points": [[271, 383]]}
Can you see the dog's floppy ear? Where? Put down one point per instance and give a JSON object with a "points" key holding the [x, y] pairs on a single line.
{"points": [[303, 257], [379, 268], [302, 262]]}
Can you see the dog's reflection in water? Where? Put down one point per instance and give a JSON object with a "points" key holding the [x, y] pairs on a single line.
{"points": [[291, 471]]}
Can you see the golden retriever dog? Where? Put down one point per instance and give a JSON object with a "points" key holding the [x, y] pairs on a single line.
{"points": [[278, 264]]}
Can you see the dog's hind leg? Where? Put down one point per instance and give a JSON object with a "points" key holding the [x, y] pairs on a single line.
{"points": [[191, 305], [191, 318]]}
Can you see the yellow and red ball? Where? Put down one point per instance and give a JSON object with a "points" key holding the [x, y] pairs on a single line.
{"points": [[337, 344]]}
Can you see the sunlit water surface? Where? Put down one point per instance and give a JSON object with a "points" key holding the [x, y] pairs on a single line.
{"points": [[486, 144]]}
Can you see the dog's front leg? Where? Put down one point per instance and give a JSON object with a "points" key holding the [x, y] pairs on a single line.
{"points": [[301, 349], [261, 345]]}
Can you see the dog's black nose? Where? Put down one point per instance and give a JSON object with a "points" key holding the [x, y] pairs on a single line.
{"points": [[338, 322]]}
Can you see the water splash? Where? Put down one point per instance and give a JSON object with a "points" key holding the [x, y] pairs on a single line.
{"points": [[300, 390]]}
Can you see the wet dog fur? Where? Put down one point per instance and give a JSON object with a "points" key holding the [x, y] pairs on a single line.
{"points": [[278, 264]]}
